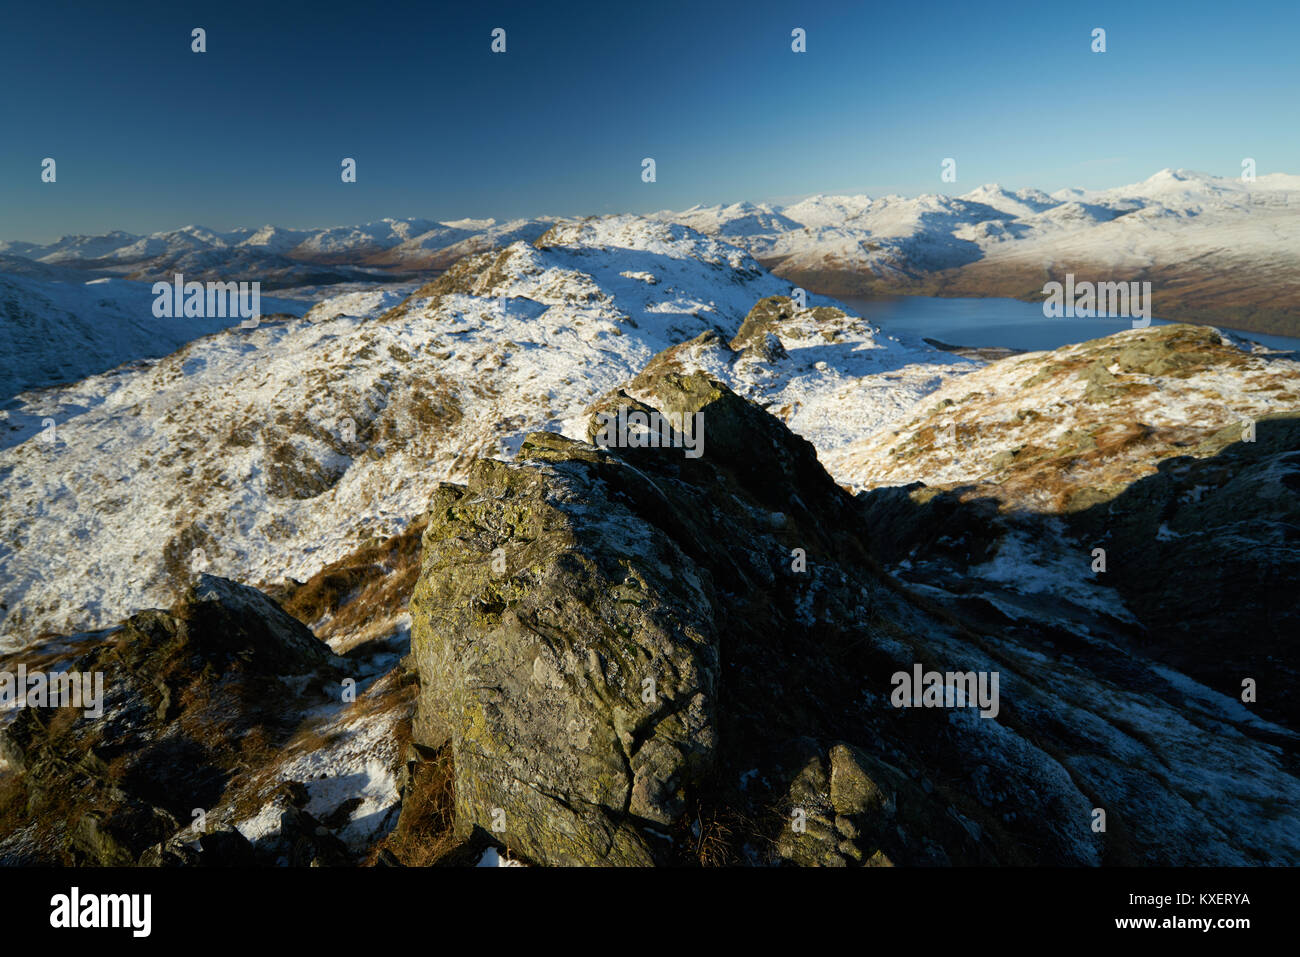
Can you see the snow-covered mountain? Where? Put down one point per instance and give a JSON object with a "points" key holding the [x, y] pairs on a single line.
{"points": [[815, 229], [1215, 249], [273, 254], [71, 248], [276, 450]]}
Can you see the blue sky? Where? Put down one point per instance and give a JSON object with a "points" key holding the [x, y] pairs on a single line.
{"points": [[148, 135]]}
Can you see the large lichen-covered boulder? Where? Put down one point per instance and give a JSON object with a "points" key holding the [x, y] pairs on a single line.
{"points": [[567, 622], [610, 638], [573, 610], [568, 650]]}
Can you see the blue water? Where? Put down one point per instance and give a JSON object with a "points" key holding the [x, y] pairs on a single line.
{"points": [[1009, 323]]}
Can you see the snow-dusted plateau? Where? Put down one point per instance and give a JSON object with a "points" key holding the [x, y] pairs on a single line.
{"points": [[365, 590]]}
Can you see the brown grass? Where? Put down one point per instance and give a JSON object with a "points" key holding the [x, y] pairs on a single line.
{"points": [[357, 596], [423, 833]]}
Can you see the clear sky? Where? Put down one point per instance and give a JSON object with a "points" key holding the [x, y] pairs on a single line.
{"points": [[148, 135]]}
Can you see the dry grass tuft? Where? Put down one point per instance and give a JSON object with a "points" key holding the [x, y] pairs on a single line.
{"points": [[423, 833]]}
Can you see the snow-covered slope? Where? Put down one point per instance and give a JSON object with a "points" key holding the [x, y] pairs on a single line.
{"points": [[60, 331], [266, 453], [1095, 415], [272, 452]]}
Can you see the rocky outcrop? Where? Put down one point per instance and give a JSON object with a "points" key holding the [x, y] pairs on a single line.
{"points": [[650, 631], [1064, 430], [190, 697], [534, 660], [636, 656], [1206, 553], [1143, 484], [573, 613], [758, 334]]}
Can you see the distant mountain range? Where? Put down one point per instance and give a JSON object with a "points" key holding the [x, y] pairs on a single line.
{"points": [[1215, 249], [276, 256]]}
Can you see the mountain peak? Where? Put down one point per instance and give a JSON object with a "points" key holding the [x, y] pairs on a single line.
{"points": [[1180, 177]]}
